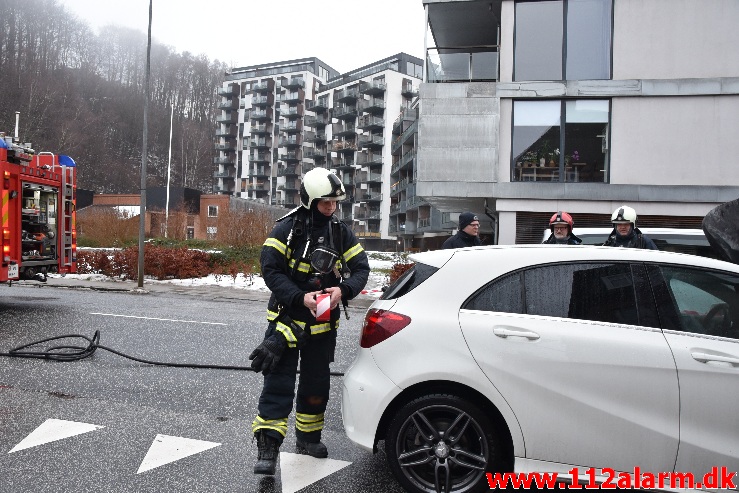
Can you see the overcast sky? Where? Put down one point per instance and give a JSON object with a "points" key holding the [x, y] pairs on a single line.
{"points": [[345, 34]]}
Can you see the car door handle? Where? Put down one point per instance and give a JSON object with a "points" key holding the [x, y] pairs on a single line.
{"points": [[506, 332], [707, 358]]}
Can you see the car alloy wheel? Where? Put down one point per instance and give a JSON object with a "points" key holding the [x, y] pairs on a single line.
{"points": [[441, 444]]}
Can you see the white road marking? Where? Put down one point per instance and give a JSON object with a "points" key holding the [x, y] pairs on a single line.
{"points": [[298, 471], [52, 430], [165, 449], [155, 318]]}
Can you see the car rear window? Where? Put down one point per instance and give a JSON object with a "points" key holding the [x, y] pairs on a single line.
{"points": [[410, 279]]}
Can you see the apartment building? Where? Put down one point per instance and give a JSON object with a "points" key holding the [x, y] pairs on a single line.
{"points": [[529, 107], [280, 120]]}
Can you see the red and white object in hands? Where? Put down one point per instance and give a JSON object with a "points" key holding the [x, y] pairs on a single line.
{"points": [[323, 307]]}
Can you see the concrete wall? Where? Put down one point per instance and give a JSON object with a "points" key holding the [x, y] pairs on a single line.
{"points": [[457, 140], [675, 140], [665, 39]]}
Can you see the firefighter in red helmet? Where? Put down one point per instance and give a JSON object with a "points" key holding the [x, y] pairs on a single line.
{"points": [[561, 225]]}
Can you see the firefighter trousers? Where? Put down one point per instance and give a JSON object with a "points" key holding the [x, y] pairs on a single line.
{"points": [[278, 392]]}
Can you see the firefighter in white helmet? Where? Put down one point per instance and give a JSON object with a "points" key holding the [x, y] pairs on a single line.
{"points": [[309, 252], [625, 233]]}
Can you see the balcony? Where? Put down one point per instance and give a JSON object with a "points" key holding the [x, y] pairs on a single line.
{"points": [[293, 96], [404, 161], [291, 156], [319, 105], [229, 117], [229, 104], [408, 90], [223, 160], [373, 88], [369, 159], [261, 143], [366, 177], [260, 172], [344, 165], [224, 174], [317, 121], [260, 115], [343, 129], [261, 129], [406, 115], [228, 147], [346, 95], [345, 112], [264, 86], [261, 157], [259, 186], [315, 137], [405, 136], [294, 83], [371, 141], [344, 146], [229, 91], [373, 105], [462, 64], [371, 122], [315, 154], [291, 141], [367, 232], [263, 100], [228, 132], [398, 208], [294, 112], [399, 186], [367, 213], [293, 126], [370, 197], [288, 171]]}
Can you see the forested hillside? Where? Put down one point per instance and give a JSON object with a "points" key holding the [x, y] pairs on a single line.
{"points": [[82, 94]]}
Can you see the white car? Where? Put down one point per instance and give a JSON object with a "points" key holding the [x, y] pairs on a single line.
{"points": [[595, 364]]}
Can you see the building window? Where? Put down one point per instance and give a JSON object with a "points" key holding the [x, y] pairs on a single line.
{"points": [[563, 40], [211, 232], [543, 152], [190, 232], [212, 211]]}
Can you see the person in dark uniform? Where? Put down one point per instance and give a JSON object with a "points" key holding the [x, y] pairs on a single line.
{"points": [[625, 234], [561, 225], [309, 252], [467, 236]]}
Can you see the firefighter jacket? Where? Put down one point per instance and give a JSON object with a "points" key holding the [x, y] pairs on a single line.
{"points": [[570, 240], [288, 274], [635, 239]]}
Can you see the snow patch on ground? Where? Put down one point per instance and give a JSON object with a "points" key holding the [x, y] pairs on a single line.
{"points": [[380, 263]]}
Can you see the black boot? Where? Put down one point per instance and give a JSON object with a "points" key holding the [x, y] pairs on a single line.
{"points": [[268, 449], [317, 449]]}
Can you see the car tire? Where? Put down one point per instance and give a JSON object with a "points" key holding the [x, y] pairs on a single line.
{"points": [[442, 443]]}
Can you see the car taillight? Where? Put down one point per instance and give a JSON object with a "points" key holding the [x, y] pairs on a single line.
{"points": [[380, 325]]}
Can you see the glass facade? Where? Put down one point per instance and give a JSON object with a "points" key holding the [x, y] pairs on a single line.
{"points": [[543, 152], [563, 40]]}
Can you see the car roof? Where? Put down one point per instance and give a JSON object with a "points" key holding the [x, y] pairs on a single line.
{"points": [[646, 231], [517, 256]]}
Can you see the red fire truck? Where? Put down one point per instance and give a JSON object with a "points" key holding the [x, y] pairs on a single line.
{"points": [[38, 212]]}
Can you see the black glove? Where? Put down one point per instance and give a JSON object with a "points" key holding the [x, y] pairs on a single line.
{"points": [[301, 336], [266, 356]]}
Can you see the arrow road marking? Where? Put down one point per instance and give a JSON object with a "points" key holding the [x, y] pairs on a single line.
{"points": [[165, 449], [52, 430], [298, 470]]}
